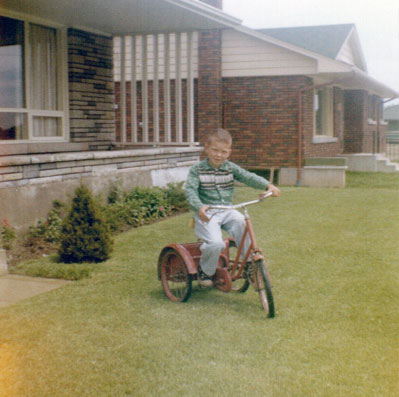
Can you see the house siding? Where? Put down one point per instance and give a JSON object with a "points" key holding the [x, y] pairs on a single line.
{"points": [[91, 88], [243, 55]]}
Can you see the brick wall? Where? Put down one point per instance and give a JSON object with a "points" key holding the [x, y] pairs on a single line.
{"points": [[355, 120], [151, 111], [262, 115], [209, 99], [91, 88]]}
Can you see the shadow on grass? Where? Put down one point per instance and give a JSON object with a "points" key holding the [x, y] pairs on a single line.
{"points": [[207, 298]]}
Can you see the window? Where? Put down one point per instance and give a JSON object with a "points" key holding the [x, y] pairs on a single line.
{"points": [[324, 112], [31, 72]]}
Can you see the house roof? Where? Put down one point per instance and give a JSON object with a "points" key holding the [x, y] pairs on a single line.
{"points": [[391, 113], [337, 67], [326, 40], [124, 16]]}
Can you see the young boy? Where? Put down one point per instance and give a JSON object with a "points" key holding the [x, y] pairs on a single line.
{"points": [[211, 181]]}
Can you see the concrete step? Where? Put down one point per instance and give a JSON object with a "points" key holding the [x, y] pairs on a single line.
{"points": [[368, 162], [384, 165]]}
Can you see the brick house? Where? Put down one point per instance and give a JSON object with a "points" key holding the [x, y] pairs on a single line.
{"points": [[57, 99], [97, 93], [255, 83]]}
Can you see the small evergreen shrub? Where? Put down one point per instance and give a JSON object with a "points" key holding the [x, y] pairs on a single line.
{"points": [[85, 235]]}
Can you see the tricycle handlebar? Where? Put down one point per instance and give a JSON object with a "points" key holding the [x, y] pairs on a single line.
{"points": [[240, 205]]}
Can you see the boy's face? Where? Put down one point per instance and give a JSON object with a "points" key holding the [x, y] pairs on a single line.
{"points": [[218, 152]]}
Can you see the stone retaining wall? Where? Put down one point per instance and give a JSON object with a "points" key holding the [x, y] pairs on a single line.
{"points": [[29, 184]]}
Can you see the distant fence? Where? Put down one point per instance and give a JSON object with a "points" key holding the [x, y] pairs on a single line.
{"points": [[392, 147]]}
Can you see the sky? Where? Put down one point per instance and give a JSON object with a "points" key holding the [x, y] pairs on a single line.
{"points": [[377, 23]]}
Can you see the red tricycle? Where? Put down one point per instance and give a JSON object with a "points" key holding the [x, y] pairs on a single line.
{"points": [[178, 265]]}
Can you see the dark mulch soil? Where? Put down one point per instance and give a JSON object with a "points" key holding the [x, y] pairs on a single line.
{"points": [[32, 248]]}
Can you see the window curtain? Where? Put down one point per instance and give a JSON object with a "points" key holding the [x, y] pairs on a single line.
{"points": [[43, 79]]}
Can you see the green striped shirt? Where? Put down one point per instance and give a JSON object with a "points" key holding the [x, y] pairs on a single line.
{"points": [[206, 185]]}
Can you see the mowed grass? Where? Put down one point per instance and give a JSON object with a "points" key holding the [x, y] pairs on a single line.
{"points": [[333, 256]]}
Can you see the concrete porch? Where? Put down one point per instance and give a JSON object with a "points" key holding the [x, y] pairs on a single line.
{"points": [[369, 162]]}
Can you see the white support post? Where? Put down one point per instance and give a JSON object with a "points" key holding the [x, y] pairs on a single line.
{"points": [[144, 86], [166, 91], [178, 90], [155, 90], [190, 89], [123, 91], [133, 89]]}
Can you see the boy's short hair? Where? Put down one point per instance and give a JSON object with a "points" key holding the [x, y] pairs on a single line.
{"points": [[220, 135]]}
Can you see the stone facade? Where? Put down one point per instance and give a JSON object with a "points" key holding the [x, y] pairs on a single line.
{"points": [[91, 89], [29, 183]]}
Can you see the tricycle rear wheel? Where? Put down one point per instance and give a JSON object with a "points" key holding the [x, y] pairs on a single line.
{"points": [[176, 281]]}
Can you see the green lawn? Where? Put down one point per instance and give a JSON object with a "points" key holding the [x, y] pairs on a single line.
{"points": [[333, 256]]}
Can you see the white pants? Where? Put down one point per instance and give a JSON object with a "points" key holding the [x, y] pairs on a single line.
{"points": [[231, 221]]}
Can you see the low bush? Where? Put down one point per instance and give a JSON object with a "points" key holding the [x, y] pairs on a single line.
{"points": [[176, 196], [139, 206], [7, 235], [50, 229]]}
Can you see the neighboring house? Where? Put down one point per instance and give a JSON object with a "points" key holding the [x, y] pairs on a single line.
{"points": [[262, 80], [98, 91], [391, 116]]}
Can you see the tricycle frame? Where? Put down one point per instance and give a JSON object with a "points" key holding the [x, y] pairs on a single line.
{"points": [[178, 266]]}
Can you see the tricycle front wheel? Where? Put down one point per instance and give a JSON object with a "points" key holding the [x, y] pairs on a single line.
{"points": [[176, 281], [264, 288]]}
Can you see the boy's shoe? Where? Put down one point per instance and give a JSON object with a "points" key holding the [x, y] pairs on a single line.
{"points": [[204, 279]]}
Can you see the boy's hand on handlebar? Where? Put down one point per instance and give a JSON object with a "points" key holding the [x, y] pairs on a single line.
{"points": [[202, 214], [275, 190]]}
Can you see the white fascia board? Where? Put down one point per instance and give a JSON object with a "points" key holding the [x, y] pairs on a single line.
{"points": [[374, 85], [356, 79], [207, 11]]}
